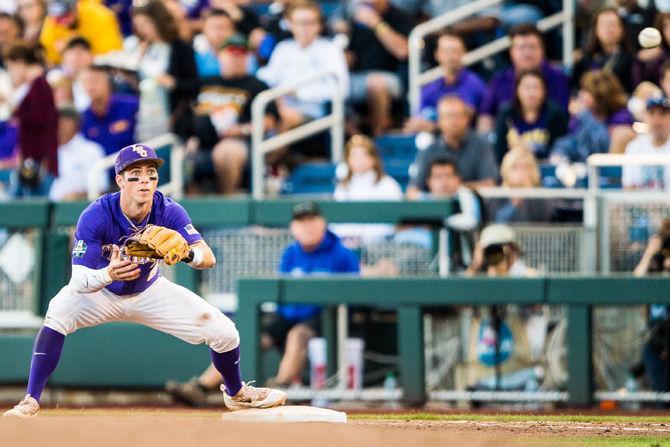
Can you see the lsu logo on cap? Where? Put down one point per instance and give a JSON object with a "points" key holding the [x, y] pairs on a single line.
{"points": [[140, 150]]}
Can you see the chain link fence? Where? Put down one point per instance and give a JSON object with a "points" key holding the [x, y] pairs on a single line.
{"points": [[18, 268]]}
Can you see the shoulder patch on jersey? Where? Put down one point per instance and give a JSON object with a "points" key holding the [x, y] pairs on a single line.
{"points": [[79, 249], [190, 229]]}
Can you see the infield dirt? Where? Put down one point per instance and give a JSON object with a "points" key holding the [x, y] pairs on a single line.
{"points": [[106, 428]]}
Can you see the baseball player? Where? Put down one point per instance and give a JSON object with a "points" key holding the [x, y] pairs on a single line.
{"points": [[109, 283]]}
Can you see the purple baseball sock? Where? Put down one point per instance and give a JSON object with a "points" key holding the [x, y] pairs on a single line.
{"points": [[228, 364], [46, 353]]}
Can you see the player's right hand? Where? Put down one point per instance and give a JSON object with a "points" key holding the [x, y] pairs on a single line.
{"points": [[122, 270]]}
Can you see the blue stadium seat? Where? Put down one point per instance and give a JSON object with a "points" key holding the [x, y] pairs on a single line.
{"points": [[610, 177], [310, 178], [396, 147], [399, 170]]}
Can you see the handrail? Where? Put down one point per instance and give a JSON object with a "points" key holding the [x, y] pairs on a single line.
{"points": [[416, 44], [260, 146], [174, 187], [532, 193], [595, 161]]}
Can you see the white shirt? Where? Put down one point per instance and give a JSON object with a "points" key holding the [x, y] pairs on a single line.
{"points": [[647, 177], [75, 159], [290, 62], [365, 187]]}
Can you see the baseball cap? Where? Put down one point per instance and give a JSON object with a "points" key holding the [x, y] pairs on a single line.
{"points": [[658, 101], [135, 153], [235, 42], [59, 8], [496, 234], [305, 209]]}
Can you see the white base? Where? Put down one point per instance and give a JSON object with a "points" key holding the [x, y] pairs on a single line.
{"points": [[285, 414]]}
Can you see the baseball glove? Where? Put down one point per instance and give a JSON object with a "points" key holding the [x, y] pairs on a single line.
{"points": [[159, 243]]}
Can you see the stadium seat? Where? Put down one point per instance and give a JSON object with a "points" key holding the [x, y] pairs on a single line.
{"points": [[396, 147], [310, 178]]}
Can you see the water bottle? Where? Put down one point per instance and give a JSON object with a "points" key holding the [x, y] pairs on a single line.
{"points": [[390, 386], [631, 388]]}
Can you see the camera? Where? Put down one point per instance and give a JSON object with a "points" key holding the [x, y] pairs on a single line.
{"points": [[494, 254]]}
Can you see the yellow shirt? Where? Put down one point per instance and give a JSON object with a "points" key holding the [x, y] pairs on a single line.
{"points": [[95, 22]]}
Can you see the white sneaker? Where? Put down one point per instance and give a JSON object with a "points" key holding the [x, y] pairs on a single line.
{"points": [[252, 397], [27, 408]]}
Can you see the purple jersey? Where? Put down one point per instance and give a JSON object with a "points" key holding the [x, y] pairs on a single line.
{"points": [[103, 223]]}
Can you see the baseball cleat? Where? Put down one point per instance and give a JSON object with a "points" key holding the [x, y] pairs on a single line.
{"points": [[27, 408], [189, 393], [253, 397]]}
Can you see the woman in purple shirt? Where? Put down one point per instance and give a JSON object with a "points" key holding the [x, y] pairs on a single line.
{"points": [[532, 120]]}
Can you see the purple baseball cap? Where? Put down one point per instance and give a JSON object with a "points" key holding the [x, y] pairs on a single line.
{"points": [[136, 153]]}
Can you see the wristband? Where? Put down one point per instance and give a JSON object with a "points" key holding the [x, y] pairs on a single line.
{"points": [[195, 257]]}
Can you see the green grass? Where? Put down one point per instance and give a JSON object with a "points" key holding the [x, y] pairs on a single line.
{"points": [[620, 441], [418, 416]]}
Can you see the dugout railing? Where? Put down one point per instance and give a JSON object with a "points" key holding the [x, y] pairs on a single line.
{"points": [[410, 296]]}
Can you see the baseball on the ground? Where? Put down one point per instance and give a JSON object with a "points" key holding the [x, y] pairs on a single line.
{"points": [[649, 37]]}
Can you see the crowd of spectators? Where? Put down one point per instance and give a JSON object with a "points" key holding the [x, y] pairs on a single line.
{"points": [[122, 71]]}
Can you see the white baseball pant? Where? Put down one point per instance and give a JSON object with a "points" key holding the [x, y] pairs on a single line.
{"points": [[164, 306]]}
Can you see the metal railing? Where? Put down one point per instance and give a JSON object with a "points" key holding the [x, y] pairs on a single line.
{"points": [[261, 146], [596, 161], [174, 187], [416, 43]]}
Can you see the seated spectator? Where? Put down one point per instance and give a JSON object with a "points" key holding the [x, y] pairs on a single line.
{"points": [[76, 157], [88, 19], [456, 80], [656, 141], [37, 118], [76, 57], [531, 120], [607, 50], [498, 254], [303, 56], [216, 29], [167, 71], [32, 14], [526, 53], [223, 118], [110, 119], [365, 180], [600, 121], [649, 61], [637, 104], [519, 169], [377, 51], [10, 31], [472, 153]]}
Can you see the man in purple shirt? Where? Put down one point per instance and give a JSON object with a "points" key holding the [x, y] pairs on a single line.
{"points": [[107, 285], [456, 80], [110, 119], [527, 53]]}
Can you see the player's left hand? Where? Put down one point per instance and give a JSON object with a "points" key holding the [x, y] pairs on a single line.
{"points": [[167, 244]]}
